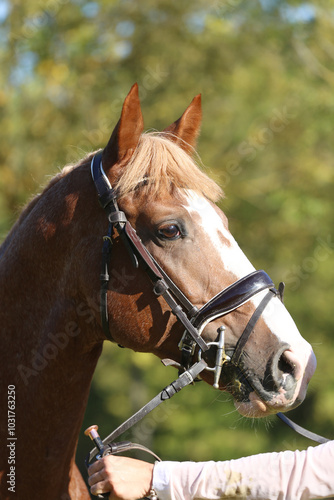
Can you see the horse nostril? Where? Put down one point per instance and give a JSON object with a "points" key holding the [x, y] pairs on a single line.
{"points": [[289, 370], [285, 366], [291, 364], [283, 372]]}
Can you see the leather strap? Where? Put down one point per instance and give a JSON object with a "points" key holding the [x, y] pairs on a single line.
{"points": [[168, 392], [142, 252], [122, 446], [302, 431], [235, 359], [137, 252], [104, 280]]}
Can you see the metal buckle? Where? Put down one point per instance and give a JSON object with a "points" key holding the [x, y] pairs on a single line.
{"points": [[221, 356], [185, 345]]}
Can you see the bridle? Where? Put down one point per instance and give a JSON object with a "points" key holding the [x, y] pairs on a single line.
{"points": [[193, 319]]}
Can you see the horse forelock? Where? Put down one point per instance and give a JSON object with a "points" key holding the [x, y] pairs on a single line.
{"points": [[159, 165]]}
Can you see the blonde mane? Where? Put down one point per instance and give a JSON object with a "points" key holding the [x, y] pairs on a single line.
{"points": [[159, 165]]}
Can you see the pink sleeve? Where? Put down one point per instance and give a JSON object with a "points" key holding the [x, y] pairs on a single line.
{"points": [[285, 476]]}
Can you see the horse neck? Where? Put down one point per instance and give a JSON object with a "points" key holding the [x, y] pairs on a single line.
{"points": [[48, 352]]}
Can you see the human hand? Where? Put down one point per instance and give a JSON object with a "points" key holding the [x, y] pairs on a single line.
{"points": [[125, 478]]}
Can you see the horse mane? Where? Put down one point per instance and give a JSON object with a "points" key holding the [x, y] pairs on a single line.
{"points": [[158, 165]]}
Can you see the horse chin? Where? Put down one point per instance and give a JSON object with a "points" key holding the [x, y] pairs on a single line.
{"points": [[260, 403], [256, 407]]}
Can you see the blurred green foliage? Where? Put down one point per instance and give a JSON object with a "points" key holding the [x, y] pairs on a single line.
{"points": [[266, 73]]}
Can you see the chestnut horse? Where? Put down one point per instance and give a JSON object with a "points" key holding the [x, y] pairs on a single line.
{"points": [[51, 330]]}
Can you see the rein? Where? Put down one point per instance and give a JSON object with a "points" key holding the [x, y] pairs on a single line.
{"points": [[193, 319]]}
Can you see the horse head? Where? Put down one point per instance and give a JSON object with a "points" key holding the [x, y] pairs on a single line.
{"points": [[170, 203]]}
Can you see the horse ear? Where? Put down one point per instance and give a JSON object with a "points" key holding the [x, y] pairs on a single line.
{"points": [[185, 130], [125, 137]]}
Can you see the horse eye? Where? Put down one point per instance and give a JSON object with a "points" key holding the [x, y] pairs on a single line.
{"points": [[170, 232]]}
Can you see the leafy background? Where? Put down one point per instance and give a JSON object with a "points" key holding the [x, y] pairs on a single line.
{"points": [[266, 73]]}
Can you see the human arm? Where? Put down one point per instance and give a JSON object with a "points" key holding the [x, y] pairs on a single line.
{"points": [[287, 475]]}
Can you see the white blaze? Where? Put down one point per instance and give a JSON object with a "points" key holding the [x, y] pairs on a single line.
{"points": [[234, 261]]}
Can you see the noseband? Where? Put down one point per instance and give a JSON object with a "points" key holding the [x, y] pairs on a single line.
{"points": [[193, 319]]}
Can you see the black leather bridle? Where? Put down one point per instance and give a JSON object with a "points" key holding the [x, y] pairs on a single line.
{"points": [[193, 319]]}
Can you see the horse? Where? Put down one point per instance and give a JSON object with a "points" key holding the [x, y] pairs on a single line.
{"points": [[51, 327]]}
